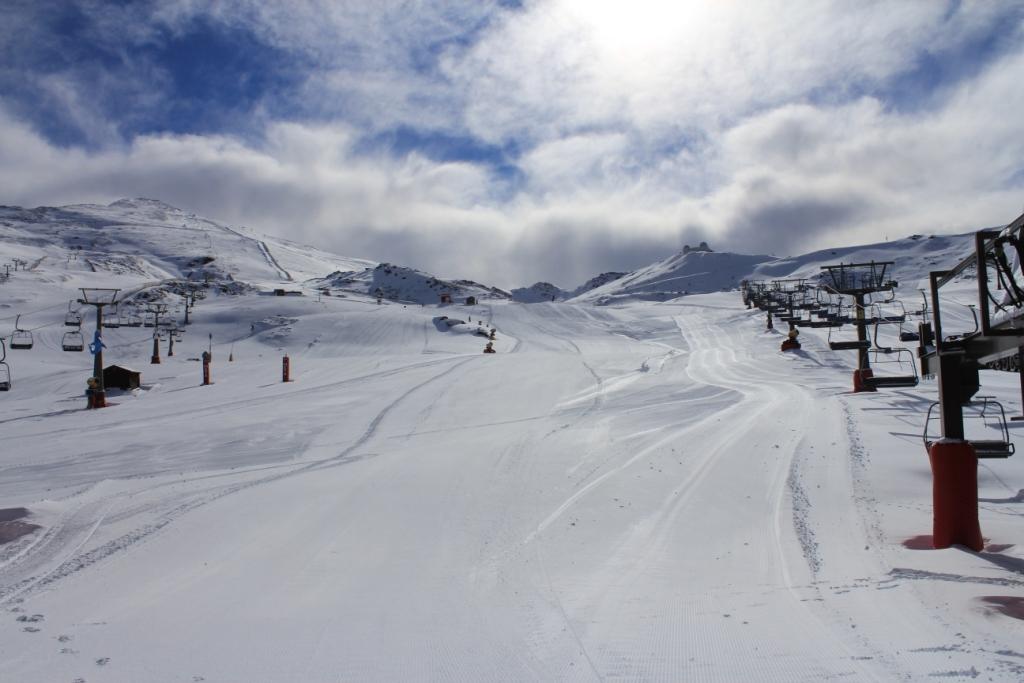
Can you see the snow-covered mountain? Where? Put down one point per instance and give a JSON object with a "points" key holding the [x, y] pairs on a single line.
{"points": [[538, 292], [687, 272], [149, 239], [597, 281], [146, 242], [700, 271], [914, 258], [400, 283]]}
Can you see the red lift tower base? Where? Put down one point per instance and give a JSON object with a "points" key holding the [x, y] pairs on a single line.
{"points": [[858, 380], [955, 495]]}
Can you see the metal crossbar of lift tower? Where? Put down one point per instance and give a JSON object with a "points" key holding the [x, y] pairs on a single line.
{"points": [[1015, 228], [790, 284], [999, 338], [859, 278], [98, 296]]}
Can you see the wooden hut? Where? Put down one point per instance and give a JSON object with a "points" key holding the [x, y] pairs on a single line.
{"points": [[119, 377]]}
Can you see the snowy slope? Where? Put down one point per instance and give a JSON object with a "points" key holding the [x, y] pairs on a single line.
{"points": [[401, 283], [698, 272], [149, 239], [914, 258], [538, 292], [648, 491], [597, 281], [693, 272]]}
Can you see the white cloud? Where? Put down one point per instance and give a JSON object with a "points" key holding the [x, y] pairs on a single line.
{"points": [[639, 130]]}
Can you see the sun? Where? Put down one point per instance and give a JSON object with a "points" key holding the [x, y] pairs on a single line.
{"points": [[639, 28]]}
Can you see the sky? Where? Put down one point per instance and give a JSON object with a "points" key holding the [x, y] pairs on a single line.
{"points": [[514, 141]]}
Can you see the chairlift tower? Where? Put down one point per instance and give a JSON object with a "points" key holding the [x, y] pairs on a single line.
{"points": [[98, 297], [157, 310], [860, 280], [956, 359], [193, 293]]}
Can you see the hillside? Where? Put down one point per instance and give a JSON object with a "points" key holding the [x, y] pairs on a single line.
{"points": [[701, 272], [145, 238], [408, 285]]}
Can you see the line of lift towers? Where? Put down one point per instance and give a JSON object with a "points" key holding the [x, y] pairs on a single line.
{"points": [[863, 296], [153, 314]]}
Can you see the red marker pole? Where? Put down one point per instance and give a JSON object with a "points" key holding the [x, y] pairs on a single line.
{"points": [[206, 369], [285, 369]]}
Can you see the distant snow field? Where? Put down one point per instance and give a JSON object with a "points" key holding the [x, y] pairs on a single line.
{"points": [[638, 485]]}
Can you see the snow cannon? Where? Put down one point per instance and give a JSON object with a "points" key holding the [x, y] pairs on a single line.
{"points": [[790, 343], [494, 332], [489, 348]]}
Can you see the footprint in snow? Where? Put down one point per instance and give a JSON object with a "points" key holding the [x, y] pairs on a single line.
{"points": [[102, 661]]}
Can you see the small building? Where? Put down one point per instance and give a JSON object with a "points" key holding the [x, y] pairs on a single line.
{"points": [[446, 298], [471, 301], [120, 377], [287, 292]]}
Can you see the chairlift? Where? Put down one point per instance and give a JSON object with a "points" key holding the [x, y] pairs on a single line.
{"points": [[992, 416], [21, 339], [73, 317], [73, 341], [908, 334], [922, 312], [5, 369], [149, 320], [899, 355], [845, 344], [112, 320], [134, 320], [892, 311], [883, 355]]}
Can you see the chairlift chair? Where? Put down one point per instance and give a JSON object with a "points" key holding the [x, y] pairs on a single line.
{"points": [[908, 334], [882, 355], [894, 311], [992, 416], [21, 339], [134, 320], [73, 317], [112, 320], [73, 341], [5, 369], [845, 344]]}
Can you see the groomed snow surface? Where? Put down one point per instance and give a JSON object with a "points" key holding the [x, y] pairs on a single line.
{"points": [[644, 492]]}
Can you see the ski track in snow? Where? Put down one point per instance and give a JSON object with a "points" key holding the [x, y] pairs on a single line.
{"points": [[92, 515]]}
